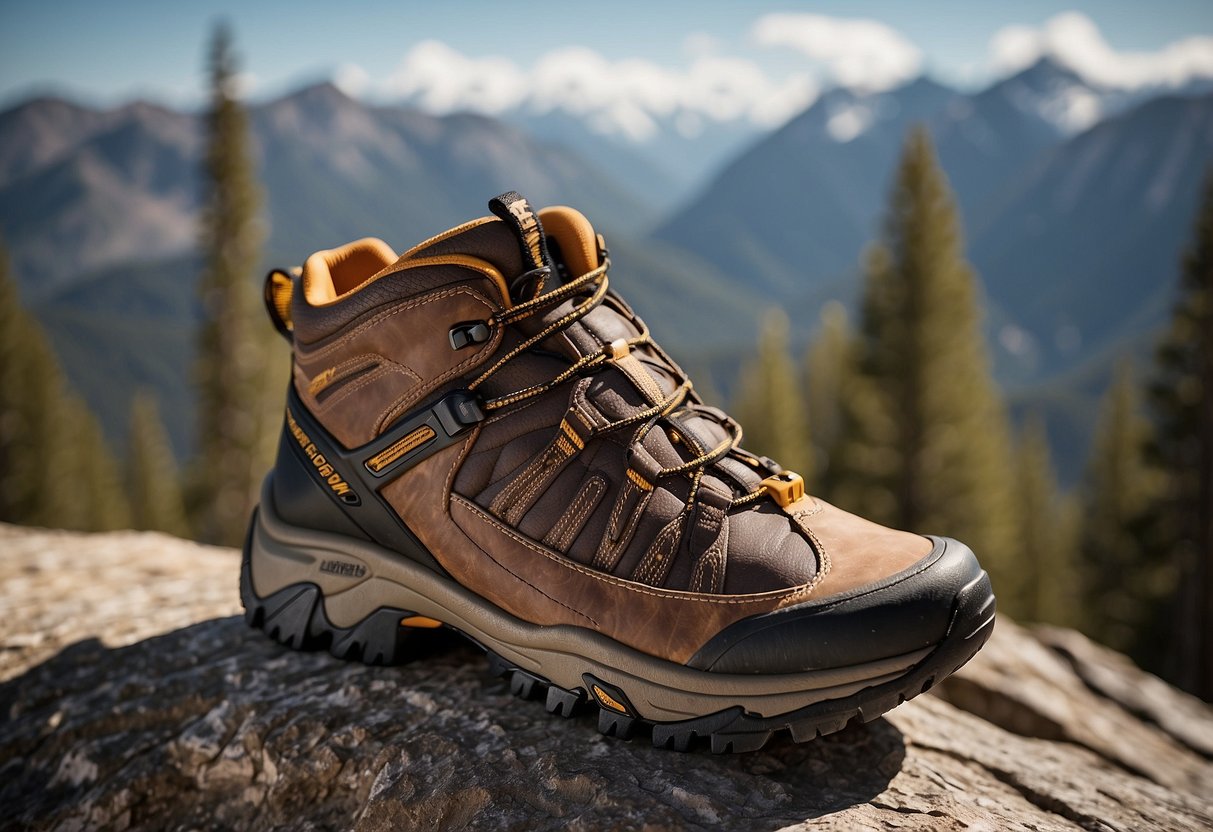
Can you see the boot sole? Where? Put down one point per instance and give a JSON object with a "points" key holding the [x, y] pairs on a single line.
{"points": [[311, 590]]}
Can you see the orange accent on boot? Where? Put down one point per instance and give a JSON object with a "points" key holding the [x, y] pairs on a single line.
{"points": [[575, 236], [607, 700], [401, 447], [331, 274], [785, 487], [421, 622]]}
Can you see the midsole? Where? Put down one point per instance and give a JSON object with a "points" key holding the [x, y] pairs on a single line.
{"points": [[357, 578]]}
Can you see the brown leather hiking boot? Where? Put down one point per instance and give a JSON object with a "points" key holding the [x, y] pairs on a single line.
{"points": [[481, 435]]}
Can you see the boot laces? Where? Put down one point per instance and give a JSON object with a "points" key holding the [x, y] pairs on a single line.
{"points": [[679, 400]]}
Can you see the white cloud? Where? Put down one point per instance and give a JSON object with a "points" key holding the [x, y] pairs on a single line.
{"points": [[1073, 40], [443, 80], [856, 53], [626, 97], [352, 79], [698, 44]]}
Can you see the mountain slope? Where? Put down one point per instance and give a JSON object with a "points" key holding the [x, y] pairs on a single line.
{"points": [[110, 187], [1084, 249], [336, 170], [794, 209], [121, 189]]}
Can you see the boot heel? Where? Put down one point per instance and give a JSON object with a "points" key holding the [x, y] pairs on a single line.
{"points": [[293, 611]]}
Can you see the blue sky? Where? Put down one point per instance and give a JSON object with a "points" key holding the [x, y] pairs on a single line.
{"points": [[119, 50]]}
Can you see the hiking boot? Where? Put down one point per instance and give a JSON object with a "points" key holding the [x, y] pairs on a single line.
{"points": [[481, 435]]}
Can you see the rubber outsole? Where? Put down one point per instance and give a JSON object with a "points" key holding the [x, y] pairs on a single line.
{"points": [[295, 617]]}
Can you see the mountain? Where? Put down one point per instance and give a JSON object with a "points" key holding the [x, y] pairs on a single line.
{"points": [[793, 211], [1076, 202], [112, 187], [663, 164], [103, 188], [1083, 249], [336, 169], [1075, 229], [796, 209], [1076, 232], [986, 138]]}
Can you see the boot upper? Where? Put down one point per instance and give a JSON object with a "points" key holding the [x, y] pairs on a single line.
{"points": [[594, 488]]}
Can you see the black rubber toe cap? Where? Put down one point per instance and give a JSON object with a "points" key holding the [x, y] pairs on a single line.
{"points": [[908, 611]]}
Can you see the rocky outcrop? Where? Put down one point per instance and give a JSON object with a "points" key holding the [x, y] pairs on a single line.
{"points": [[134, 697]]}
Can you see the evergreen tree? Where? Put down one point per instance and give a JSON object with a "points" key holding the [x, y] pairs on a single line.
{"points": [[927, 444], [1182, 400], [20, 479], [770, 406], [98, 473], [156, 500], [233, 448], [55, 468], [1122, 580], [1048, 589], [829, 371]]}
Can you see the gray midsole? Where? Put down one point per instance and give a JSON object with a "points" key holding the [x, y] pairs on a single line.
{"points": [[660, 690]]}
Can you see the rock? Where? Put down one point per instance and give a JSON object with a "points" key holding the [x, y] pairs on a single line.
{"points": [[1023, 685], [135, 698]]}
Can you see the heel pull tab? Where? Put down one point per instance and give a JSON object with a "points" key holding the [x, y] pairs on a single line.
{"points": [[279, 287], [516, 212]]}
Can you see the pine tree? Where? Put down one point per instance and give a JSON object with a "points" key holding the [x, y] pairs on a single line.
{"points": [[156, 500], [1048, 589], [99, 473], [770, 406], [232, 367], [20, 479], [1182, 401], [829, 372], [56, 469], [927, 444], [1122, 578]]}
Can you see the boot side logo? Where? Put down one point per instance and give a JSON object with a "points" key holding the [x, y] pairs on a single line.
{"points": [[321, 467]]}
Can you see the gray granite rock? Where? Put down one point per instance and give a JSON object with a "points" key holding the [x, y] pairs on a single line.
{"points": [[133, 698]]}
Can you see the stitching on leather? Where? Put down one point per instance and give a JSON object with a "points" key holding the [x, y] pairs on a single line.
{"points": [[610, 551], [625, 496], [340, 370], [543, 477], [374, 375], [581, 417], [409, 397], [583, 408], [656, 592], [516, 495], [707, 564], [653, 569], [823, 557], [447, 495], [572, 521], [524, 581], [396, 310]]}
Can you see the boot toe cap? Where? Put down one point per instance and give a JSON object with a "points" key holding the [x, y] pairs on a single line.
{"points": [[909, 611]]}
